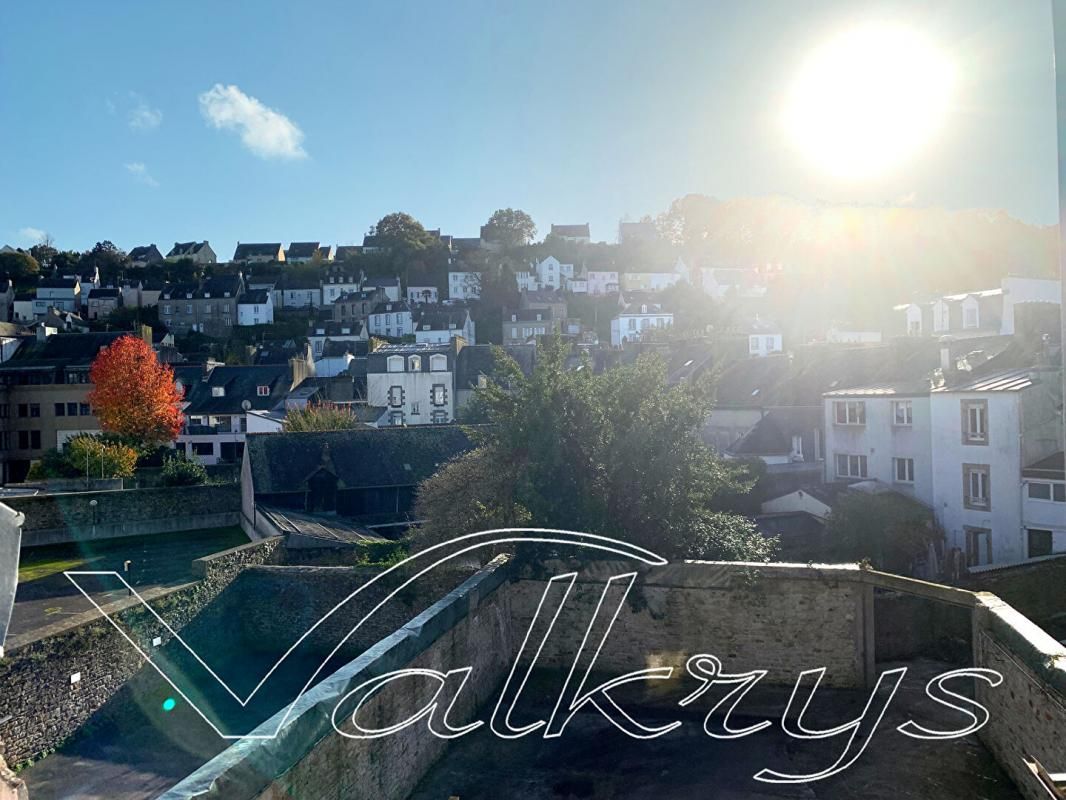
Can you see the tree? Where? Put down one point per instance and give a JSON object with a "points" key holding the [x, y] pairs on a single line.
{"points": [[106, 257], [321, 417], [181, 471], [66, 262], [510, 227], [44, 251], [400, 231], [87, 456], [133, 394], [18, 265], [619, 454], [890, 530]]}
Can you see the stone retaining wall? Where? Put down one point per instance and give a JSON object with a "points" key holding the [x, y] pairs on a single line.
{"points": [[58, 518], [39, 701]]}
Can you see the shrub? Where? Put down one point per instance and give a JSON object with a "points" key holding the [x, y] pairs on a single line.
{"points": [[180, 471]]}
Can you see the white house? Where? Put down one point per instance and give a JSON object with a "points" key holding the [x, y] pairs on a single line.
{"points": [[334, 358], [330, 330], [440, 325], [984, 431], [723, 282], [414, 383], [634, 320], [762, 343], [338, 282], [390, 319], [980, 313], [389, 285], [423, 295], [602, 282], [882, 433], [61, 293], [255, 307], [464, 285], [548, 273], [1044, 506]]}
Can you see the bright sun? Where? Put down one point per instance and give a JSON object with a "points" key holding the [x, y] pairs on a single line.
{"points": [[868, 99]]}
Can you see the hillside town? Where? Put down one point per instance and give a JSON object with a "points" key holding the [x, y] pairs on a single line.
{"points": [[640, 401]]}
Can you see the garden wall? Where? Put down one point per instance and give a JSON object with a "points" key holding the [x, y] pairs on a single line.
{"points": [[57, 518]]}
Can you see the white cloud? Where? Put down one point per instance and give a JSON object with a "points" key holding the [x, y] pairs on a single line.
{"points": [[264, 131], [140, 173], [144, 118], [35, 235]]}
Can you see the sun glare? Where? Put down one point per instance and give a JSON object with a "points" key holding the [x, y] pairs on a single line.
{"points": [[867, 100]]}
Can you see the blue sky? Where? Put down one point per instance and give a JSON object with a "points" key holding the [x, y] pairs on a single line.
{"points": [[589, 111]]}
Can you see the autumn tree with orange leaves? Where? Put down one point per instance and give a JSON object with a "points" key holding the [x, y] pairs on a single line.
{"points": [[133, 394]]}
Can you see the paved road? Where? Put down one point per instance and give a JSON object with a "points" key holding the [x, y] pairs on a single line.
{"points": [[161, 560]]}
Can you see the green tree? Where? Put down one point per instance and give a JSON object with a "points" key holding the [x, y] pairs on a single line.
{"points": [[619, 454], [106, 257], [321, 417], [18, 265], [888, 529], [87, 455], [510, 227], [401, 231], [44, 252]]}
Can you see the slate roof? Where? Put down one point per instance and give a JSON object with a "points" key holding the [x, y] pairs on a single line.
{"points": [[250, 250], [302, 250], [334, 349], [62, 350], [365, 458], [148, 253], [897, 389], [391, 307], [346, 251], [98, 294], [371, 240], [772, 435], [479, 359], [309, 530], [256, 297], [335, 329], [571, 230], [186, 249], [58, 283], [466, 243], [526, 315], [219, 285], [382, 282], [1051, 468], [239, 384], [1010, 381], [442, 319]]}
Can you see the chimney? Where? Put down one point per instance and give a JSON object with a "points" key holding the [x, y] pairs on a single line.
{"points": [[947, 364], [146, 334]]}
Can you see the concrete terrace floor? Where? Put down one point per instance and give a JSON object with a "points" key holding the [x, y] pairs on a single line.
{"points": [[45, 596], [594, 761]]}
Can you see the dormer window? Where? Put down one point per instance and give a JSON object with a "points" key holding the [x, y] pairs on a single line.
{"points": [[262, 391], [438, 363], [218, 391], [414, 364], [395, 364], [643, 309], [514, 318], [207, 295]]}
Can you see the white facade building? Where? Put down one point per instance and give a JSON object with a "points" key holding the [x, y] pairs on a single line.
{"points": [[464, 285], [338, 282], [423, 295], [415, 384], [765, 343], [256, 308], [631, 324], [390, 320], [601, 282]]}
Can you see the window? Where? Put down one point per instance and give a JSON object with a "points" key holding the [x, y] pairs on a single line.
{"points": [[24, 440], [975, 422], [203, 448], [415, 408], [35, 409], [166, 309], [1055, 492], [438, 363], [969, 318], [849, 412], [396, 418], [396, 394], [978, 546], [61, 409], [439, 417], [1040, 543], [84, 410], [188, 309], [414, 363], [439, 394], [24, 410], [35, 440], [976, 486], [903, 470], [850, 466], [395, 364], [753, 344], [902, 412], [262, 391]]}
